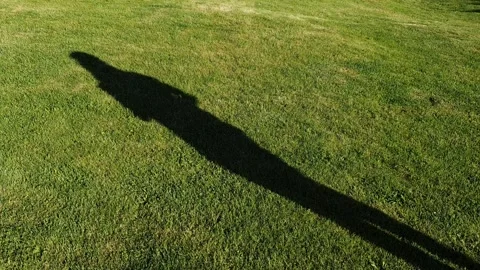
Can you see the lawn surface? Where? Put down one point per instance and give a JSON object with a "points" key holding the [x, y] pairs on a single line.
{"points": [[239, 134]]}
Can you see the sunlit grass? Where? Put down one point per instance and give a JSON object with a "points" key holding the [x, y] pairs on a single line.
{"points": [[378, 100]]}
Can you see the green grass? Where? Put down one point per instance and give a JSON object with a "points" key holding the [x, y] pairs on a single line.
{"points": [[377, 100]]}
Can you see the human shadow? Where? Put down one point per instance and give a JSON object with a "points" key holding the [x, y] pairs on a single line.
{"points": [[229, 147]]}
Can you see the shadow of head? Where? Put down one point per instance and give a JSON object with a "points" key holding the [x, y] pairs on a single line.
{"points": [[145, 96]]}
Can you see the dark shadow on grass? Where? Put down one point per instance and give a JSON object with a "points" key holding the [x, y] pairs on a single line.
{"points": [[227, 146], [474, 3]]}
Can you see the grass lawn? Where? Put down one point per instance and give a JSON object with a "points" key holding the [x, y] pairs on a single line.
{"points": [[185, 134]]}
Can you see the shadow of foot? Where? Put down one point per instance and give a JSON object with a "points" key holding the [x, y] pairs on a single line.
{"points": [[229, 147]]}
